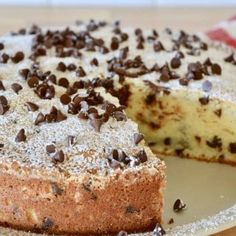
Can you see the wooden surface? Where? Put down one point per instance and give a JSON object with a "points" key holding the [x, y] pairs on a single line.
{"points": [[196, 19]]}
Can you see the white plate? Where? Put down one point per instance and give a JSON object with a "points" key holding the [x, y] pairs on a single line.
{"points": [[209, 191]]}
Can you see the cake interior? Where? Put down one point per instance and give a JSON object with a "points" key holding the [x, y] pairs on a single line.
{"points": [[176, 123]]}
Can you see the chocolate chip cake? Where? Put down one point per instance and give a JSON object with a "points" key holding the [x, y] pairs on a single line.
{"points": [[73, 159]]}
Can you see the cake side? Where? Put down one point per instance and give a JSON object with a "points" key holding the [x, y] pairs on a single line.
{"points": [[83, 205]]}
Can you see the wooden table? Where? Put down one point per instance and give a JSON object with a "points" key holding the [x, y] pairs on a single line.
{"points": [[195, 19]]}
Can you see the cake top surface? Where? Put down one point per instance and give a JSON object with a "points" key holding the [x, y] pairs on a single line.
{"points": [[62, 91]]}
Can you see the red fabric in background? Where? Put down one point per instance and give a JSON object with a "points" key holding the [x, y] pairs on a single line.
{"points": [[220, 34]]}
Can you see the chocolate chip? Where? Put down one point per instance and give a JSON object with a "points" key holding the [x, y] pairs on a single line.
{"points": [[5, 58], [171, 221], [184, 81], [71, 67], [158, 231], [216, 69], [119, 116], [71, 140], [19, 56], [3, 105], [57, 191], [140, 45], [218, 112], [167, 141], [131, 210], [58, 157], [158, 46], [207, 86], [60, 116], [47, 223], [142, 156], [175, 62], [65, 99], [204, 100], [80, 72], [52, 78], [31, 106], [229, 58], [179, 205], [96, 124], [203, 46], [50, 148], [61, 66], [216, 142], [94, 62], [124, 37], [45, 91], [63, 82], [138, 32], [16, 87], [207, 62], [122, 233], [39, 119], [1, 86], [138, 138], [33, 81], [232, 147], [150, 99], [83, 115], [1, 145], [114, 43], [1, 46], [20, 137]]}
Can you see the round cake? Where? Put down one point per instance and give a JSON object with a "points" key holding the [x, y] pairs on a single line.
{"points": [[77, 103]]}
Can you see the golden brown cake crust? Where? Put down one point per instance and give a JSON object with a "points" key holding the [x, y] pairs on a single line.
{"points": [[46, 206]]}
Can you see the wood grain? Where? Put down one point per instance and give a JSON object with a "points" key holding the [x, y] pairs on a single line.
{"points": [[190, 19]]}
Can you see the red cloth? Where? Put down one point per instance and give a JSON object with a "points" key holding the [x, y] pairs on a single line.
{"points": [[220, 33]]}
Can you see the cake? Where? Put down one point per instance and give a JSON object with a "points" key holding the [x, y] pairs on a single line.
{"points": [[77, 103], [71, 161]]}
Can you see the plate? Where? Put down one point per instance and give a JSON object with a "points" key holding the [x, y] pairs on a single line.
{"points": [[209, 191]]}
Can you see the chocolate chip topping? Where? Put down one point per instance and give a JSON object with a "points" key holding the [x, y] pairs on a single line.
{"points": [[63, 82], [65, 99], [50, 148], [39, 119], [31, 106], [207, 86], [122, 233], [71, 140], [232, 147], [171, 221], [216, 142], [175, 62], [216, 69], [80, 72], [47, 223], [138, 138], [1, 86], [229, 58], [179, 205], [96, 123], [114, 43], [57, 191], [218, 112], [33, 81], [19, 56], [16, 87], [204, 100], [141, 156], [158, 230], [20, 137], [58, 157], [3, 105], [94, 62], [61, 66], [1, 46]]}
